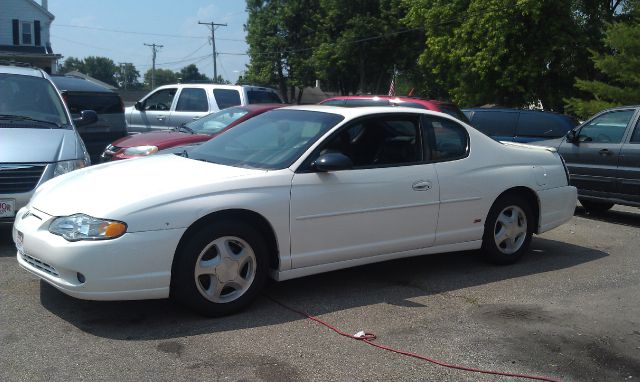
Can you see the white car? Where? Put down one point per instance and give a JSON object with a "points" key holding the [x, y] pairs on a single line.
{"points": [[292, 192]]}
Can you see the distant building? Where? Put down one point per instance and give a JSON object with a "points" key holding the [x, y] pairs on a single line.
{"points": [[24, 33]]}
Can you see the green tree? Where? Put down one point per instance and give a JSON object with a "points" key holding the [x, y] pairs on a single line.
{"points": [[127, 76], [191, 74], [221, 81], [72, 64], [101, 68], [163, 77], [619, 69]]}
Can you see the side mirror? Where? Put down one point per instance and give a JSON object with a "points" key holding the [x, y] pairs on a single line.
{"points": [[138, 105], [332, 162], [87, 117], [572, 136]]}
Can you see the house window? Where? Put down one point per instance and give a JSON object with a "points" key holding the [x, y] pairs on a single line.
{"points": [[27, 33]]}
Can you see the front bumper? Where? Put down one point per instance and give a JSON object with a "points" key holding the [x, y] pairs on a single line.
{"points": [[134, 266]]}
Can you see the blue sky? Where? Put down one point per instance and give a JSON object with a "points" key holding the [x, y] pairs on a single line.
{"points": [[79, 31]]}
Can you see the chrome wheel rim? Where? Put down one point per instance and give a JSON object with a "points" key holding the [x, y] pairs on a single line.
{"points": [[510, 230], [225, 269]]}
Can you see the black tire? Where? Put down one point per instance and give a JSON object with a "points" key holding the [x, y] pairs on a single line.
{"points": [[495, 253], [184, 284], [596, 207]]}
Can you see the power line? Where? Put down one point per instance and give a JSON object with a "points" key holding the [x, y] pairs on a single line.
{"points": [[212, 26], [142, 33], [154, 49]]}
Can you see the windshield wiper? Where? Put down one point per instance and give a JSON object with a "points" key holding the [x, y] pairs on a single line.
{"points": [[190, 130], [25, 118]]}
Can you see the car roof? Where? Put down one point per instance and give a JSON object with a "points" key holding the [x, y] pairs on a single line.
{"points": [[77, 84], [354, 112], [216, 86], [387, 97], [22, 70], [510, 110]]}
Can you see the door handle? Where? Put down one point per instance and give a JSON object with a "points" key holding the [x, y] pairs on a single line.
{"points": [[605, 152], [422, 185], [160, 118], [195, 118]]}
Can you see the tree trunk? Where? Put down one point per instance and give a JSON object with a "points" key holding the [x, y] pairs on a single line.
{"points": [[300, 90]]}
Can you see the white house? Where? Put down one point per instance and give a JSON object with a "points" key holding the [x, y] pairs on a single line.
{"points": [[24, 33]]}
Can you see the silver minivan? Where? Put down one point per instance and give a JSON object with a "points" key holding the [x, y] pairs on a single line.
{"points": [[170, 106], [38, 139]]}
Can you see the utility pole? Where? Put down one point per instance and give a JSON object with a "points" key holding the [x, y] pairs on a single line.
{"points": [[213, 26], [154, 49], [124, 69]]}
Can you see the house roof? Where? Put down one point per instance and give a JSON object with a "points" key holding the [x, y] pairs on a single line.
{"points": [[23, 49], [41, 9]]}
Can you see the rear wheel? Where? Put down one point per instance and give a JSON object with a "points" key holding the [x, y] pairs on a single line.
{"points": [[220, 269], [595, 207], [508, 230]]}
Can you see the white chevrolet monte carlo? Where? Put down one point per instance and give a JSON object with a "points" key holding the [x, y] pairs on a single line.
{"points": [[289, 193]]}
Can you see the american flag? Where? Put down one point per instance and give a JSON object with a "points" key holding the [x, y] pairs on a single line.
{"points": [[392, 87]]}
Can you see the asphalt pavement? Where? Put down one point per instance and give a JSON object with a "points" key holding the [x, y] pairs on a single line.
{"points": [[570, 311]]}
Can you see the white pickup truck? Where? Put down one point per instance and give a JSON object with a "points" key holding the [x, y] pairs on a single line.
{"points": [[169, 106]]}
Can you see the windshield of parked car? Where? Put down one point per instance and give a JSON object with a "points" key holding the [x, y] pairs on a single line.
{"points": [[27, 101], [216, 122], [272, 140]]}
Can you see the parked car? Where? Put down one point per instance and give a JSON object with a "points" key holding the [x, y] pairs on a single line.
{"points": [[80, 94], [383, 100], [38, 140], [603, 156], [289, 193], [170, 106], [520, 125], [191, 133]]}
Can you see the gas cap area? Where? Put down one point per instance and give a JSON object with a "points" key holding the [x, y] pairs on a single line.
{"points": [[541, 175]]}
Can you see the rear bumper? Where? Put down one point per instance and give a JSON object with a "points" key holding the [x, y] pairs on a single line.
{"points": [[557, 206]]}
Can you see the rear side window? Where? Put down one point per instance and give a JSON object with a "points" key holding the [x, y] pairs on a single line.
{"points": [[636, 134], [446, 139], [366, 102], [496, 123], [226, 98], [192, 100], [261, 96], [334, 102], [410, 104], [101, 103], [541, 125]]}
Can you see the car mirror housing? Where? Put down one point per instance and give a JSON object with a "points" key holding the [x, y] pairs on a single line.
{"points": [[87, 117], [572, 136], [332, 162], [138, 105]]}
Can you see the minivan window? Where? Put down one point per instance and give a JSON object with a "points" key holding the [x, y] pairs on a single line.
{"points": [[226, 98], [193, 99], [261, 96], [30, 97], [101, 103], [496, 123], [538, 124]]}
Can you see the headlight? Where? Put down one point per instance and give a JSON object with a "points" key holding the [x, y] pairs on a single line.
{"points": [[140, 151], [83, 227], [66, 166]]}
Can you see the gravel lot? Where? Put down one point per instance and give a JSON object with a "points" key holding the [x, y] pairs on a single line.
{"points": [[570, 310]]}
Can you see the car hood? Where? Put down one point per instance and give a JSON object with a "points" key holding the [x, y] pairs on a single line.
{"points": [[117, 189], [24, 145], [161, 139]]}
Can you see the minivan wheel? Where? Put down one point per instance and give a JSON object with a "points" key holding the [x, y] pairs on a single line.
{"points": [[508, 230], [595, 207], [220, 269]]}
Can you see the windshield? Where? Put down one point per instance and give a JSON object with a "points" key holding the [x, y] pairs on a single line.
{"points": [[272, 140], [216, 122], [27, 100]]}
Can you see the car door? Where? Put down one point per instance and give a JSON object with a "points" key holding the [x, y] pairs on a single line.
{"points": [[593, 158], [154, 111], [388, 201], [192, 104], [629, 165]]}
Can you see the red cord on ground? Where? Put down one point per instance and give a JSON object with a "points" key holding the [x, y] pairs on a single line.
{"points": [[368, 338]]}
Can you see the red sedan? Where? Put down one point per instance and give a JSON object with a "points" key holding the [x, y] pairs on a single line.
{"points": [[200, 130]]}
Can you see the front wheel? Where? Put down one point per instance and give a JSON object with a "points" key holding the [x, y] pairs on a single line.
{"points": [[508, 230], [220, 269]]}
